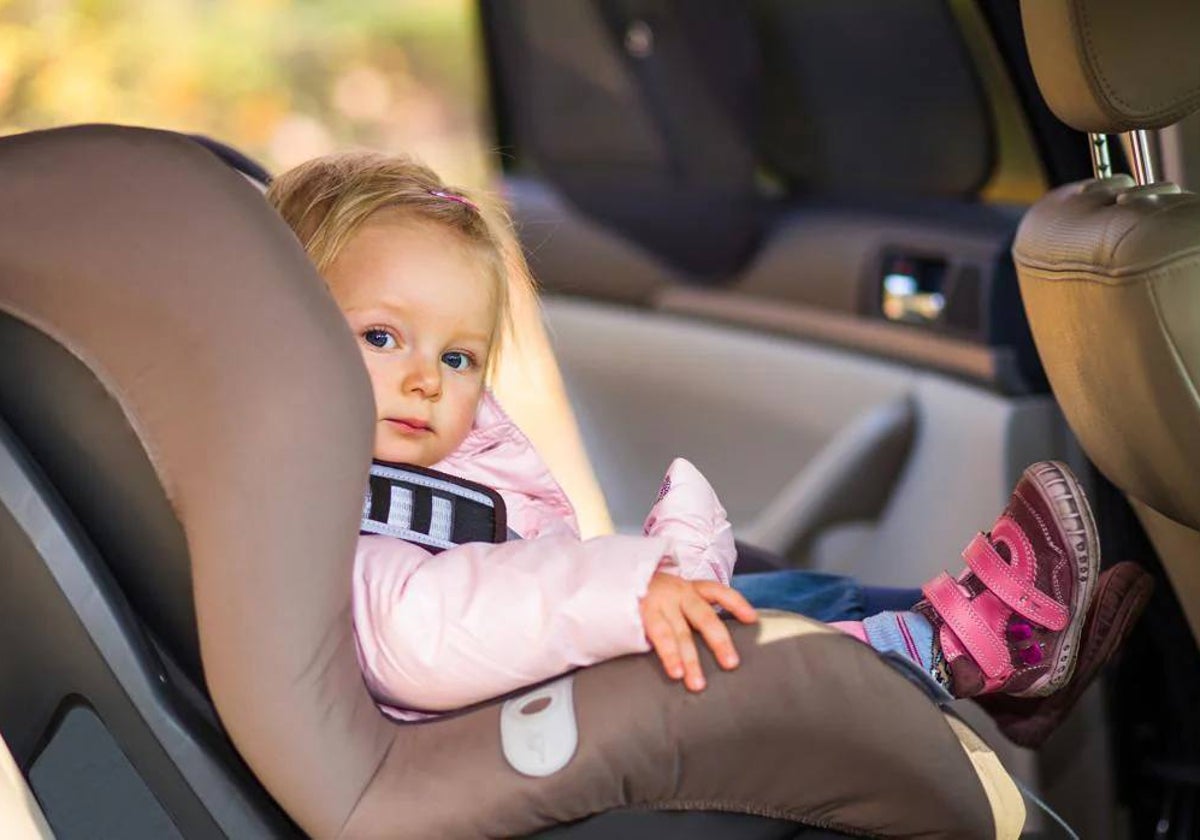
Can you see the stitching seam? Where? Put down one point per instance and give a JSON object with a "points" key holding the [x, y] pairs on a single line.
{"points": [[1095, 69]]}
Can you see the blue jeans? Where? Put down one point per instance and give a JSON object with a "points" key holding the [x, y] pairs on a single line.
{"points": [[820, 595]]}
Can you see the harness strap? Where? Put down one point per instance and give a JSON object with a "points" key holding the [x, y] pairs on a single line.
{"points": [[431, 509], [985, 647]]}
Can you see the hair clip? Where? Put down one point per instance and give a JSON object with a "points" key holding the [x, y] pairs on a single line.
{"points": [[449, 196]]}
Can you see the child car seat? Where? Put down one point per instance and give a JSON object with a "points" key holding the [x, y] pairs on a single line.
{"points": [[184, 447]]}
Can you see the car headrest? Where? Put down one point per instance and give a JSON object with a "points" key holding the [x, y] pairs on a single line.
{"points": [[1109, 66], [196, 310], [835, 86]]}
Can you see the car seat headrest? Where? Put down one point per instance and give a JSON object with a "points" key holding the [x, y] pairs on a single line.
{"points": [[101, 469], [1109, 66], [196, 310], [833, 86], [254, 171]]}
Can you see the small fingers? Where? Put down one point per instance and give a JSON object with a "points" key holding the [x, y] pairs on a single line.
{"points": [[662, 638], [693, 676], [729, 598], [716, 635]]}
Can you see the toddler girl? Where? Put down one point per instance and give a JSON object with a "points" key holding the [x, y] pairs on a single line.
{"points": [[422, 274]]}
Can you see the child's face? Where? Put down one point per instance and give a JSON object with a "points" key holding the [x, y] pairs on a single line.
{"points": [[421, 305]]}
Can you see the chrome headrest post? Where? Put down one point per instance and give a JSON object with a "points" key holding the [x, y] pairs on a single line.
{"points": [[1137, 146], [1101, 165]]}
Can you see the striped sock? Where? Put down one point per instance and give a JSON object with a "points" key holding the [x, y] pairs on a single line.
{"points": [[905, 633]]}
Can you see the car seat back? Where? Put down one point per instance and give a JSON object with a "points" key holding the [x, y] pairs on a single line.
{"points": [[1108, 268], [676, 123], [674, 173]]}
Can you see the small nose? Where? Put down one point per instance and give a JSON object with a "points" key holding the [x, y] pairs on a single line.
{"points": [[423, 377]]}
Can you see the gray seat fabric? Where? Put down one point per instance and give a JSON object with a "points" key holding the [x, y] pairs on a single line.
{"points": [[199, 317]]}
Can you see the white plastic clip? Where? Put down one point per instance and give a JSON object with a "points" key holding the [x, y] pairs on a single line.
{"points": [[537, 730]]}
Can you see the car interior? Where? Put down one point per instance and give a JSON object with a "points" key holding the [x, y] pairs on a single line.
{"points": [[881, 175], [860, 261]]}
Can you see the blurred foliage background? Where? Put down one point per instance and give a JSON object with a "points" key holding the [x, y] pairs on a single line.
{"points": [[281, 80]]}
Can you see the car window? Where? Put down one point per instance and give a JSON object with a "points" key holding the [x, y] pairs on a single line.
{"points": [[281, 80]]}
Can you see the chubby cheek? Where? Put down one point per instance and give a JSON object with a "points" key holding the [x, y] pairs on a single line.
{"points": [[383, 446], [461, 406], [378, 375]]}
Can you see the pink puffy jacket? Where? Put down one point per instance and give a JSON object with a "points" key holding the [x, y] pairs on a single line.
{"points": [[439, 632]]}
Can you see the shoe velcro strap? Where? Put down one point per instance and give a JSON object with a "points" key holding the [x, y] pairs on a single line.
{"points": [[986, 648], [1014, 583], [431, 509]]}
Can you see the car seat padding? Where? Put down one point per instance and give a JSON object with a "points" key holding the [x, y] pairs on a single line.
{"points": [[1111, 66], [198, 312]]}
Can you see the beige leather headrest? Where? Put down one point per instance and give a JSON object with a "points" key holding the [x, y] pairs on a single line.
{"points": [[1115, 65]]}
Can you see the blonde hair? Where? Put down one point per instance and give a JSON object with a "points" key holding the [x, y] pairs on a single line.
{"points": [[326, 200]]}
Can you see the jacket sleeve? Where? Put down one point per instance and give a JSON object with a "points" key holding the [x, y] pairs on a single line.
{"points": [[439, 632], [690, 517]]}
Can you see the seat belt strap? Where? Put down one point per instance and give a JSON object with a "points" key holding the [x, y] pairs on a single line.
{"points": [[431, 509]]}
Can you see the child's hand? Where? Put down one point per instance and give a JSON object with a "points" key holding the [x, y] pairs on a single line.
{"points": [[672, 607]]}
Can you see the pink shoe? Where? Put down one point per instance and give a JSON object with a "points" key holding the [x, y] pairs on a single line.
{"points": [[1010, 623], [1121, 595]]}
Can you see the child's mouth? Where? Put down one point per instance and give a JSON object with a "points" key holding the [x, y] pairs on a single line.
{"points": [[409, 426]]}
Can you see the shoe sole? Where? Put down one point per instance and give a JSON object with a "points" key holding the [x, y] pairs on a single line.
{"points": [[1062, 493], [1122, 593]]}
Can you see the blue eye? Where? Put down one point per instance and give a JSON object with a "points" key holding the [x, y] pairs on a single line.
{"points": [[380, 339], [456, 360]]}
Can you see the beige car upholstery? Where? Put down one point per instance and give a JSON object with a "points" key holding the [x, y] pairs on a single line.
{"points": [[1110, 271], [194, 308], [1110, 274], [20, 816], [1114, 65], [1123, 295]]}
